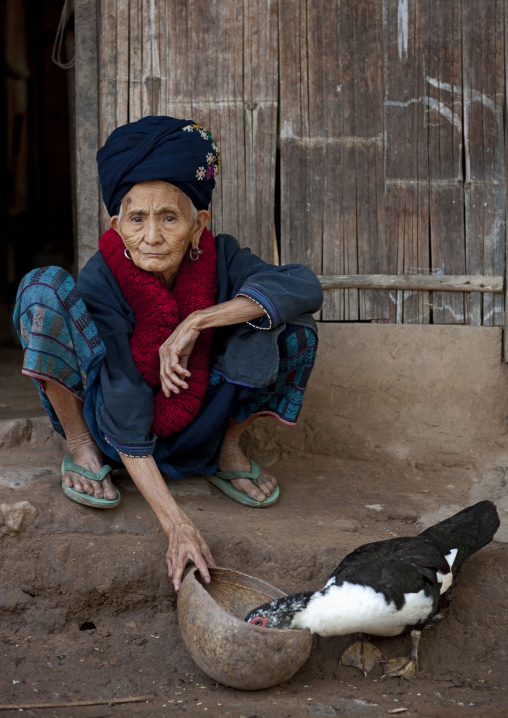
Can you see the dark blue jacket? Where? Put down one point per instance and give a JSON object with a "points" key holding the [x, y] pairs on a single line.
{"points": [[119, 404]]}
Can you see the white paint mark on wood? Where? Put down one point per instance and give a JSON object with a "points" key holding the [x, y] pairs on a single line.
{"points": [[154, 37], [472, 95], [456, 89], [286, 133], [403, 27], [469, 97], [444, 110], [433, 104]]}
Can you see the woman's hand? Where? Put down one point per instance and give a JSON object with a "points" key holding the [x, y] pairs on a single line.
{"points": [[174, 355], [186, 544], [175, 352]]}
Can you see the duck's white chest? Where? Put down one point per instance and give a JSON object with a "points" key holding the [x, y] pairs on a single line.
{"points": [[352, 608]]}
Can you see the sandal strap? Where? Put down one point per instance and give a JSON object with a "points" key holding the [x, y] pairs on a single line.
{"points": [[253, 474], [69, 465]]}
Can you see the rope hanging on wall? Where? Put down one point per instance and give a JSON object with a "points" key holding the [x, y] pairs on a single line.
{"points": [[56, 56]]}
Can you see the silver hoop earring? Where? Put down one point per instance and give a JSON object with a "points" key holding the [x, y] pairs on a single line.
{"points": [[127, 254], [195, 253]]}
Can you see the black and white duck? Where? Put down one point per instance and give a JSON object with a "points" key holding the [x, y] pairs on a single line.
{"points": [[386, 588]]}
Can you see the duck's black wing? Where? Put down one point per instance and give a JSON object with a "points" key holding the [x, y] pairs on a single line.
{"points": [[468, 531], [395, 567]]}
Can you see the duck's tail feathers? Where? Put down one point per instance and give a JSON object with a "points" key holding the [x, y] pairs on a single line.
{"points": [[468, 531]]}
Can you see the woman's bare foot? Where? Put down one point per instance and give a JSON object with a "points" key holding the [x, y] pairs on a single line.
{"points": [[82, 447], [232, 458], [89, 457]]}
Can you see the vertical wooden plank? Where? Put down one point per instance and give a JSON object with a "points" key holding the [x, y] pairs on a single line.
{"points": [[369, 98], [332, 195], [301, 239], [146, 57], [260, 112], [122, 62], [405, 111], [447, 247], [407, 219], [484, 98], [162, 10], [443, 82], [135, 60], [113, 68], [405, 153], [107, 68], [423, 136], [108, 101], [87, 123], [485, 240], [371, 227], [505, 294]]}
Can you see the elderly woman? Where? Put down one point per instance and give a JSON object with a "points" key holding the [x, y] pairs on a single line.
{"points": [[171, 342]]}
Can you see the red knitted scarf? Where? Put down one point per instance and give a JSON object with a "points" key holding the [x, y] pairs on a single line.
{"points": [[158, 312]]}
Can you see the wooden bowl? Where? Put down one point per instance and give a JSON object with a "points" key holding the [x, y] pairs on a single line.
{"points": [[226, 648]]}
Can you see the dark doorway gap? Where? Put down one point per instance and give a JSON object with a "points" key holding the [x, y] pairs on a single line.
{"points": [[35, 156]]}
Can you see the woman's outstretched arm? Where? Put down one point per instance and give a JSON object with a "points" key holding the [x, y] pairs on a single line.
{"points": [[185, 541]]}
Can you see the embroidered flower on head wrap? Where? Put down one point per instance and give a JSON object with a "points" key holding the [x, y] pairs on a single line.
{"points": [[158, 148]]}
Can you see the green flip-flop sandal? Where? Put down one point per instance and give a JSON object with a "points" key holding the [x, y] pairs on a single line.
{"points": [[85, 499], [222, 480]]}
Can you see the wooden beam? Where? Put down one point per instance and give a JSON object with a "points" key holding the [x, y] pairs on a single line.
{"points": [[415, 282]]}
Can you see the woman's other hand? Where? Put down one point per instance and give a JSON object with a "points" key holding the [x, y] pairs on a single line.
{"points": [[187, 544], [174, 355]]}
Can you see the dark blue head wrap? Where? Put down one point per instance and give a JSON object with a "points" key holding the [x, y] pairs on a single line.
{"points": [[158, 148]]}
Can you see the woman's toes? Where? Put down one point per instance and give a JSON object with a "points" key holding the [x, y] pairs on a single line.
{"points": [[78, 484], [88, 488], [267, 486], [249, 488], [109, 489], [98, 491], [70, 484]]}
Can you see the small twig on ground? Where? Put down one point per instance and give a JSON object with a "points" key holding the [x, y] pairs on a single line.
{"points": [[71, 704]]}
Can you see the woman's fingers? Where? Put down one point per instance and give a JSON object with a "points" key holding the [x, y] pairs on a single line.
{"points": [[177, 567], [173, 383], [184, 548], [173, 372], [174, 355], [173, 378], [207, 555]]}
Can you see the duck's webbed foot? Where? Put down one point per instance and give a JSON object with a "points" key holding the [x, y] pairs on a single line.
{"points": [[363, 655], [406, 666]]}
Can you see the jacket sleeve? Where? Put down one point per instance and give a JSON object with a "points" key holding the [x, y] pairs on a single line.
{"points": [[124, 402], [285, 293]]}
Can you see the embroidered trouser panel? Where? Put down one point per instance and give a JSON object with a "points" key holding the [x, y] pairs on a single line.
{"points": [[57, 333]]}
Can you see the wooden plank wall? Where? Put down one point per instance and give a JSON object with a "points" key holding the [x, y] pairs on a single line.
{"points": [[392, 149], [390, 116], [211, 61]]}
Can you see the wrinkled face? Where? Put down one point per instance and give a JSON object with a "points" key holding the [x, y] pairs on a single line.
{"points": [[158, 224]]}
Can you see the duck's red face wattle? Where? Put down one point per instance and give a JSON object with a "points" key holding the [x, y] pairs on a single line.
{"points": [[259, 621]]}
